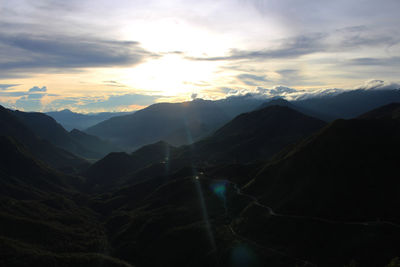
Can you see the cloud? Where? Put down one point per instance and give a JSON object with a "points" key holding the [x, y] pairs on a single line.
{"points": [[115, 102], [277, 91], [38, 89], [371, 61], [113, 83], [29, 104], [289, 48], [7, 86], [30, 53], [193, 96], [344, 39], [379, 84], [251, 79]]}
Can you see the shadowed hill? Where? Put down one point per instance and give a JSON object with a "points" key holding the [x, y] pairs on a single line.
{"points": [[40, 222], [76, 142], [72, 120], [390, 111], [165, 121], [349, 104], [24, 177], [346, 171], [109, 170], [56, 157], [256, 135], [251, 136]]}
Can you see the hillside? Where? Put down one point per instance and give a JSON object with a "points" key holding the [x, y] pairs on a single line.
{"points": [[76, 142], [72, 120], [56, 157], [169, 122]]}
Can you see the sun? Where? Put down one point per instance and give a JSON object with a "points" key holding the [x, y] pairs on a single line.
{"points": [[171, 75]]}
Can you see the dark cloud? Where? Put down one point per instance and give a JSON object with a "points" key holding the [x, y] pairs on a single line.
{"points": [[251, 79], [193, 96], [29, 52], [290, 48], [370, 61], [344, 39], [114, 84], [7, 86]]}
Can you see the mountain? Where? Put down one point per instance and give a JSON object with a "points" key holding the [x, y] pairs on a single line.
{"points": [[41, 223], [76, 142], [329, 198], [110, 170], [349, 104], [256, 135], [170, 122], [10, 125], [252, 136], [390, 111], [72, 120], [339, 187], [292, 105]]}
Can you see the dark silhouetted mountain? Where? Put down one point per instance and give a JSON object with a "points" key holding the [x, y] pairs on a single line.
{"points": [[109, 170], [251, 136], [256, 135], [336, 186], [170, 122], [349, 104], [390, 111], [350, 162], [56, 157], [292, 105], [76, 142], [326, 200], [23, 176], [235, 105], [40, 222], [72, 120]]}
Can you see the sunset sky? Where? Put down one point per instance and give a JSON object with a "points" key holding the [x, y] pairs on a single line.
{"points": [[92, 56]]}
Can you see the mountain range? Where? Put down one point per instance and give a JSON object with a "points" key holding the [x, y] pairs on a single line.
{"points": [[171, 122], [274, 185], [72, 120]]}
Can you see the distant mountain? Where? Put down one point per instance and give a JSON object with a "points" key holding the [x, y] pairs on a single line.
{"points": [[250, 137], [256, 135], [11, 125], [170, 122], [72, 120], [292, 105], [77, 142], [349, 104], [390, 111]]}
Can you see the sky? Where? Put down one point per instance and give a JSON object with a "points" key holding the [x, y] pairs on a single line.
{"points": [[122, 55]]}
